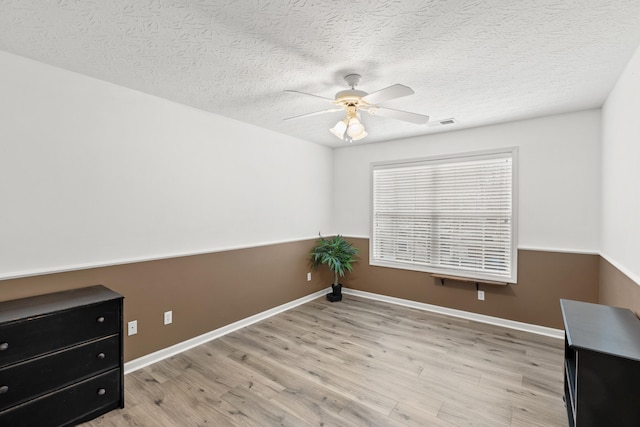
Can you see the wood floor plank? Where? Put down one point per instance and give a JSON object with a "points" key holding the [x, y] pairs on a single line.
{"points": [[354, 363], [414, 413], [260, 410], [296, 384]]}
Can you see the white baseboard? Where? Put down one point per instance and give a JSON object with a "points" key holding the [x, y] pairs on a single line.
{"points": [[159, 355], [512, 324]]}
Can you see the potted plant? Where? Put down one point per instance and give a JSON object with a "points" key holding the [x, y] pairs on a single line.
{"points": [[338, 255]]}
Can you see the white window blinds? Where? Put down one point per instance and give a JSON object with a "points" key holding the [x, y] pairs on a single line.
{"points": [[453, 216]]}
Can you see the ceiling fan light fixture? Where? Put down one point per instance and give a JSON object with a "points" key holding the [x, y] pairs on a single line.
{"points": [[350, 129]]}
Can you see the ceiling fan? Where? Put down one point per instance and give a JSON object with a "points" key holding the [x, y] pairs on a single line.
{"points": [[353, 101]]}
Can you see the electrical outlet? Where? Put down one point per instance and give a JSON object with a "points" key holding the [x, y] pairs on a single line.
{"points": [[168, 317], [481, 295], [132, 327], [309, 277]]}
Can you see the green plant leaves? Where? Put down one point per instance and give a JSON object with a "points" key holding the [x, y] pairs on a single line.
{"points": [[336, 253]]}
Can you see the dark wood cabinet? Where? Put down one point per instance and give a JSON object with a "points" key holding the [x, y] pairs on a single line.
{"points": [[602, 365], [61, 357]]}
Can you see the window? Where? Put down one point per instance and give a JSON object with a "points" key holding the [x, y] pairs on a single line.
{"points": [[453, 215]]}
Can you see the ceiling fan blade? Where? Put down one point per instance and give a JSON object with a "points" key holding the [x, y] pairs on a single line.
{"points": [[309, 94], [388, 93], [331, 110], [419, 119]]}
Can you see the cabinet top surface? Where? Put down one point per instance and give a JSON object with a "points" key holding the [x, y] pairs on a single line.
{"points": [[58, 301], [601, 328]]}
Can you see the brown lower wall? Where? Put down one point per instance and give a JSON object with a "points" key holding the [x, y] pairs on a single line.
{"points": [[617, 289], [205, 292], [543, 279]]}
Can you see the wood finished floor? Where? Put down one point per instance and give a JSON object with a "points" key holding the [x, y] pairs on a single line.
{"points": [[354, 363]]}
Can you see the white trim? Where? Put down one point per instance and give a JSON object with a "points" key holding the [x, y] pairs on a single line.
{"points": [[86, 266], [159, 355], [353, 236], [512, 324], [559, 250], [622, 269]]}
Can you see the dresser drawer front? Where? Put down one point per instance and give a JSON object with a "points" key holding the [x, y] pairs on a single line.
{"points": [[43, 334], [69, 405], [23, 381]]}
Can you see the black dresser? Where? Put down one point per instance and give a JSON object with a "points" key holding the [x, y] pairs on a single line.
{"points": [[61, 357], [602, 365]]}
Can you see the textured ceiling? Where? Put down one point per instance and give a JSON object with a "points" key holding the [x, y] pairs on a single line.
{"points": [[480, 62]]}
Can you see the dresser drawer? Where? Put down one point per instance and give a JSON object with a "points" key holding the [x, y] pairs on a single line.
{"points": [[37, 335], [68, 406], [23, 381]]}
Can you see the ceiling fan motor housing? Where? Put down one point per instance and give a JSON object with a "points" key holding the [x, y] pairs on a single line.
{"points": [[350, 97]]}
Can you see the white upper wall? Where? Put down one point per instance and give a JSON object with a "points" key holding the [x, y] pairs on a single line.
{"points": [[620, 229], [92, 173], [559, 176]]}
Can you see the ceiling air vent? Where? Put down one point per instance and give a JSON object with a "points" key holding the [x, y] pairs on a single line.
{"points": [[442, 122]]}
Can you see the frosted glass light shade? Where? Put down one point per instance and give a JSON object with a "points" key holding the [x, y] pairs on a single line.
{"points": [[362, 135], [355, 128], [339, 129]]}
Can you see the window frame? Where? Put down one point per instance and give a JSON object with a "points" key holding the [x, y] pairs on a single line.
{"points": [[443, 159]]}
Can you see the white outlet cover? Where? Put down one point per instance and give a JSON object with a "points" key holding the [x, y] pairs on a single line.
{"points": [[132, 327], [481, 295], [308, 277], [168, 317]]}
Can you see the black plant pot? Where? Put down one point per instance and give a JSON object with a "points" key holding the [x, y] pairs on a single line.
{"points": [[335, 294]]}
